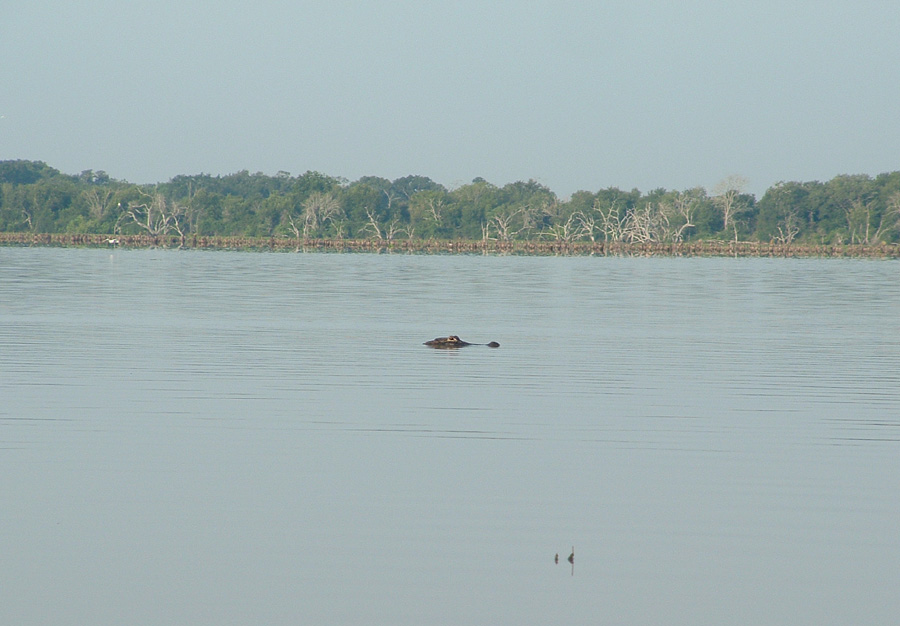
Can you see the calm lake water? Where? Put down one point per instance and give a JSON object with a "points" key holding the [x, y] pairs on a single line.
{"points": [[213, 438]]}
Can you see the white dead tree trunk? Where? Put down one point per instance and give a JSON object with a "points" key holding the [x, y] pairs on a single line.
{"points": [[678, 216], [588, 222], [727, 199], [503, 222], [373, 224], [156, 216], [319, 209], [861, 220], [383, 232], [788, 229], [570, 230], [611, 224], [99, 202]]}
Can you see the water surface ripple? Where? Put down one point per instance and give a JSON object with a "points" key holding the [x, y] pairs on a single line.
{"points": [[231, 438]]}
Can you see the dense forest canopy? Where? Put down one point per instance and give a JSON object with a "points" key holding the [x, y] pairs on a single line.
{"points": [[849, 209]]}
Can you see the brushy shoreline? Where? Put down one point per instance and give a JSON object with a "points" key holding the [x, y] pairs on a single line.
{"points": [[707, 248]]}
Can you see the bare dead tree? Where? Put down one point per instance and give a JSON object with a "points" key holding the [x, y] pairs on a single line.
{"points": [[727, 199], [436, 206], [643, 224], [392, 228], [683, 206], [857, 215], [569, 230], [123, 215], [788, 229], [26, 213], [861, 220], [427, 207], [382, 231], [530, 215], [658, 222], [319, 209], [192, 212], [559, 228], [890, 218], [588, 223], [156, 215], [391, 195], [292, 225], [672, 217], [612, 224], [373, 224], [99, 201], [180, 223], [503, 223], [339, 228]]}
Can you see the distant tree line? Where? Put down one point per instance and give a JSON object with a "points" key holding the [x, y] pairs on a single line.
{"points": [[848, 209]]}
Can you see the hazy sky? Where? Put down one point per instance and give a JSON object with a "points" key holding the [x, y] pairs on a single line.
{"points": [[575, 94]]}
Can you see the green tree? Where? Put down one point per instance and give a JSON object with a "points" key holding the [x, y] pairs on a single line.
{"points": [[359, 200], [783, 213], [25, 172], [312, 182], [431, 214]]}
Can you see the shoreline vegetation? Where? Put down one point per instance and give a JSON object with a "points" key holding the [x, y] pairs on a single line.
{"points": [[847, 216], [706, 248]]}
